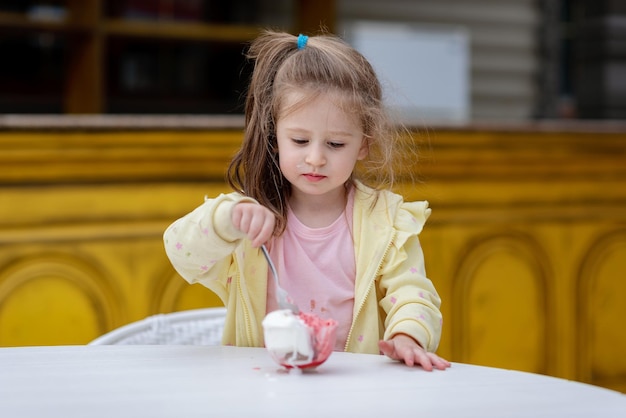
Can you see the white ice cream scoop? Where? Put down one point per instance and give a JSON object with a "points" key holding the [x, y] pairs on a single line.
{"points": [[298, 340], [288, 339]]}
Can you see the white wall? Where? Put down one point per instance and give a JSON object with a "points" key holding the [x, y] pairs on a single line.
{"points": [[503, 46]]}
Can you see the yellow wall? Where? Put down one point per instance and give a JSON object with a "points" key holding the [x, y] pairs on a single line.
{"points": [[526, 244]]}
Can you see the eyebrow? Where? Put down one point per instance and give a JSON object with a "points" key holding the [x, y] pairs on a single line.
{"points": [[344, 134]]}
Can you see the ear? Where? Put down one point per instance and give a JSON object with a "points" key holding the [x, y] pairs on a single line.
{"points": [[364, 150]]}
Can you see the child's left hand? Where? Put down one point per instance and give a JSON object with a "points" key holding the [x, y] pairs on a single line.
{"points": [[404, 348]]}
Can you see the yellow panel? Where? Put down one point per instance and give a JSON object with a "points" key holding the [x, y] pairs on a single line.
{"points": [[49, 309], [503, 315], [604, 311]]}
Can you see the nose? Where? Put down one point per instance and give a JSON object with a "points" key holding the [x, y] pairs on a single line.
{"points": [[315, 156]]}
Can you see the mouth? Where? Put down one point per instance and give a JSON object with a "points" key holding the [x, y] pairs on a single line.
{"points": [[313, 177]]}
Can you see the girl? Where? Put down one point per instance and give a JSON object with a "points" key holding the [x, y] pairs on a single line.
{"points": [[343, 250]]}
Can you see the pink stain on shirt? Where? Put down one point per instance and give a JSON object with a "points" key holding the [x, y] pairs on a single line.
{"points": [[393, 299], [413, 270], [179, 246], [360, 338]]}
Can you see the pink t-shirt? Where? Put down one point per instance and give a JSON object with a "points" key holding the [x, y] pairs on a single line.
{"points": [[317, 268]]}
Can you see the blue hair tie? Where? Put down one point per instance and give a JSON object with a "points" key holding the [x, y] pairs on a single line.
{"points": [[302, 39]]}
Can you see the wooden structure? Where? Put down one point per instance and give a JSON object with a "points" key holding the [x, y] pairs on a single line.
{"points": [[124, 56], [526, 244]]}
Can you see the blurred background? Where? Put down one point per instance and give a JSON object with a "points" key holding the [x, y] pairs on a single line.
{"points": [[118, 116], [524, 59]]}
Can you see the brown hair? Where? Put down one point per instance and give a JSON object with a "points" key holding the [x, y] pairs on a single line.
{"points": [[325, 64]]}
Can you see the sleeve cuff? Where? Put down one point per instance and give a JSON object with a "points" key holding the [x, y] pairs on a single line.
{"points": [[223, 219]]}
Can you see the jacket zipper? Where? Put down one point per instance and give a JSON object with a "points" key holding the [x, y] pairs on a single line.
{"points": [[369, 289], [246, 313]]}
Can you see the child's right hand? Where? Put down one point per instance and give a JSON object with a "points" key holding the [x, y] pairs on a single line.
{"points": [[254, 220]]}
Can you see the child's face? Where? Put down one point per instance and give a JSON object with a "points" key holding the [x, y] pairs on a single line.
{"points": [[318, 145]]}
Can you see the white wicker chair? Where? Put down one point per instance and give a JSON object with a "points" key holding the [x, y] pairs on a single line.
{"points": [[191, 327]]}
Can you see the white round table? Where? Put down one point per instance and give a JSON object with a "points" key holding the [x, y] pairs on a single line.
{"points": [[203, 381]]}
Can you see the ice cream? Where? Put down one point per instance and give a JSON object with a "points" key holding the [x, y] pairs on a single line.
{"points": [[298, 340]]}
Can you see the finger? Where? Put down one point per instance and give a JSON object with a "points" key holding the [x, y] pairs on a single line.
{"points": [[440, 363], [407, 354], [255, 227], [409, 358], [424, 360], [265, 234], [244, 222], [236, 218], [387, 349], [259, 231]]}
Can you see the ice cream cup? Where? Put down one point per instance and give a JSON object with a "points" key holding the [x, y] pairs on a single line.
{"points": [[298, 340]]}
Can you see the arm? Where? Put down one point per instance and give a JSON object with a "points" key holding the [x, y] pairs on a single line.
{"points": [[200, 244], [413, 321]]}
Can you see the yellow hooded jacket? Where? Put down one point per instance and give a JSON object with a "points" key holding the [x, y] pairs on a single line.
{"points": [[392, 293]]}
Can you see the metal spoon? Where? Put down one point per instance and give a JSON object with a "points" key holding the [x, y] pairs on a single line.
{"points": [[281, 294]]}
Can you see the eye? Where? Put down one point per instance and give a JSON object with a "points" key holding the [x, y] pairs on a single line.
{"points": [[336, 145], [299, 141]]}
